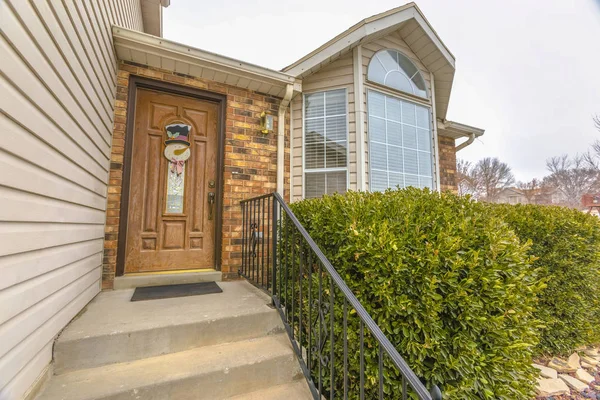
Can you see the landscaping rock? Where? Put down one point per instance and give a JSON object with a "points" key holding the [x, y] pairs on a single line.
{"points": [[584, 376], [546, 372], [552, 387], [573, 383], [574, 361], [587, 366], [590, 360], [561, 366], [591, 352]]}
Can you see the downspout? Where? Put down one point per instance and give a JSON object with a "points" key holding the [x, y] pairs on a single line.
{"points": [[289, 91], [464, 144]]}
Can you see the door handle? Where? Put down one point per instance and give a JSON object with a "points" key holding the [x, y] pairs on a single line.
{"points": [[211, 202]]}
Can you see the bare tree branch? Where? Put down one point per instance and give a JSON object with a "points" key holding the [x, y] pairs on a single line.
{"points": [[573, 177], [466, 181], [492, 176], [530, 189]]}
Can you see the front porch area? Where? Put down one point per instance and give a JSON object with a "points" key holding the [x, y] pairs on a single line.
{"points": [[216, 346]]}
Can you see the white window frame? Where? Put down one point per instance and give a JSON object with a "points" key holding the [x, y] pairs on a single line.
{"points": [[427, 96], [432, 153], [317, 170]]}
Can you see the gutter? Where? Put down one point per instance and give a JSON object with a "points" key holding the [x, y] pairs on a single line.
{"points": [[289, 91], [464, 144], [457, 130]]}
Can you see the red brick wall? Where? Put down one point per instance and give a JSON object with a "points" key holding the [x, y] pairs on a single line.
{"points": [[250, 160], [447, 150]]}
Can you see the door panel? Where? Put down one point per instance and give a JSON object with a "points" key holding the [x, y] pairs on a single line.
{"points": [[170, 223]]}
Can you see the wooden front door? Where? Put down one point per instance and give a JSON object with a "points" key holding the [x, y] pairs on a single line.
{"points": [[172, 210]]}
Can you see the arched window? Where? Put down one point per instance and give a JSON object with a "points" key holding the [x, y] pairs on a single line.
{"points": [[393, 69]]}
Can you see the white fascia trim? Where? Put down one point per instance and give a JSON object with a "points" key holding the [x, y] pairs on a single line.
{"points": [[457, 130], [359, 32], [180, 52]]}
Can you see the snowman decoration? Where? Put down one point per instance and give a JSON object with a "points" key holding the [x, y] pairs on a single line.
{"points": [[177, 149]]}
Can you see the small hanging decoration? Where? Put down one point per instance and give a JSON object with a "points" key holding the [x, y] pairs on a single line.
{"points": [[177, 149]]}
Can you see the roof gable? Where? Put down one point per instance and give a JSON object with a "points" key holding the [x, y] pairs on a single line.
{"points": [[414, 29]]}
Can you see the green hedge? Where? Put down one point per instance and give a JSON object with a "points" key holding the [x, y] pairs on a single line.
{"points": [[447, 281], [566, 243]]}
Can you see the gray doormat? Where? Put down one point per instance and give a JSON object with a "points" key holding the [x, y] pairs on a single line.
{"points": [[168, 291]]}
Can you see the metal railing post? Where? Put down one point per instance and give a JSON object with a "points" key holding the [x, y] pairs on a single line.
{"points": [[274, 250]]}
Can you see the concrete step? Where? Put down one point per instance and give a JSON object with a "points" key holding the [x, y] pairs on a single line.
{"points": [[211, 372], [131, 281], [114, 330], [297, 390]]}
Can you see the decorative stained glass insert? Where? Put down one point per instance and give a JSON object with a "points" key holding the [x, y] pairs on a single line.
{"points": [[175, 190]]}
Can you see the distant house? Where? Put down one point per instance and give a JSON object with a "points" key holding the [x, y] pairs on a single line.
{"points": [[591, 203], [513, 195]]}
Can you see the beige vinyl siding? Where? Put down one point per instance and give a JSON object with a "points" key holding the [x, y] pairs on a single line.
{"points": [[337, 75], [58, 85], [392, 41]]}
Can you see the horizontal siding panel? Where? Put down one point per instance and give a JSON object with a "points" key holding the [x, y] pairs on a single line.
{"points": [[44, 209], [91, 46], [326, 84], [24, 295], [76, 298], [58, 82], [92, 127], [18, 237], [49, 162], [53, 44], [87, 14], [25, 266], [63, 105], [79, 49], [22, 382], [99, 20], [19, 107], [22, 78], [329, 73], [26, 322], [27, 177]]}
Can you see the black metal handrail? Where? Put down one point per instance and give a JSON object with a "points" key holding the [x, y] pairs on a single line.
{"points": [[280, 257]]}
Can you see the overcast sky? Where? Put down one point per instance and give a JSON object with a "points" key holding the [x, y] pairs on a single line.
{"points": [[527, 71]]}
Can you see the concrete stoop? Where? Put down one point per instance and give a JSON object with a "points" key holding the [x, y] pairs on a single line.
{"points": [[218, 346]]}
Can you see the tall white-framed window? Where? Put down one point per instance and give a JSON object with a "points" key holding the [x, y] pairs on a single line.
{"points": [[325, 143], [400, 142], [399, 129]]}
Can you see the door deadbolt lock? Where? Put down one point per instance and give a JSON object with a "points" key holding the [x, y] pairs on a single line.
{"points": [[211, 184]]}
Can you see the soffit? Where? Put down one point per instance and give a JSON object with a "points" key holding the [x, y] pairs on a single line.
{"points": [[153, 51]]}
